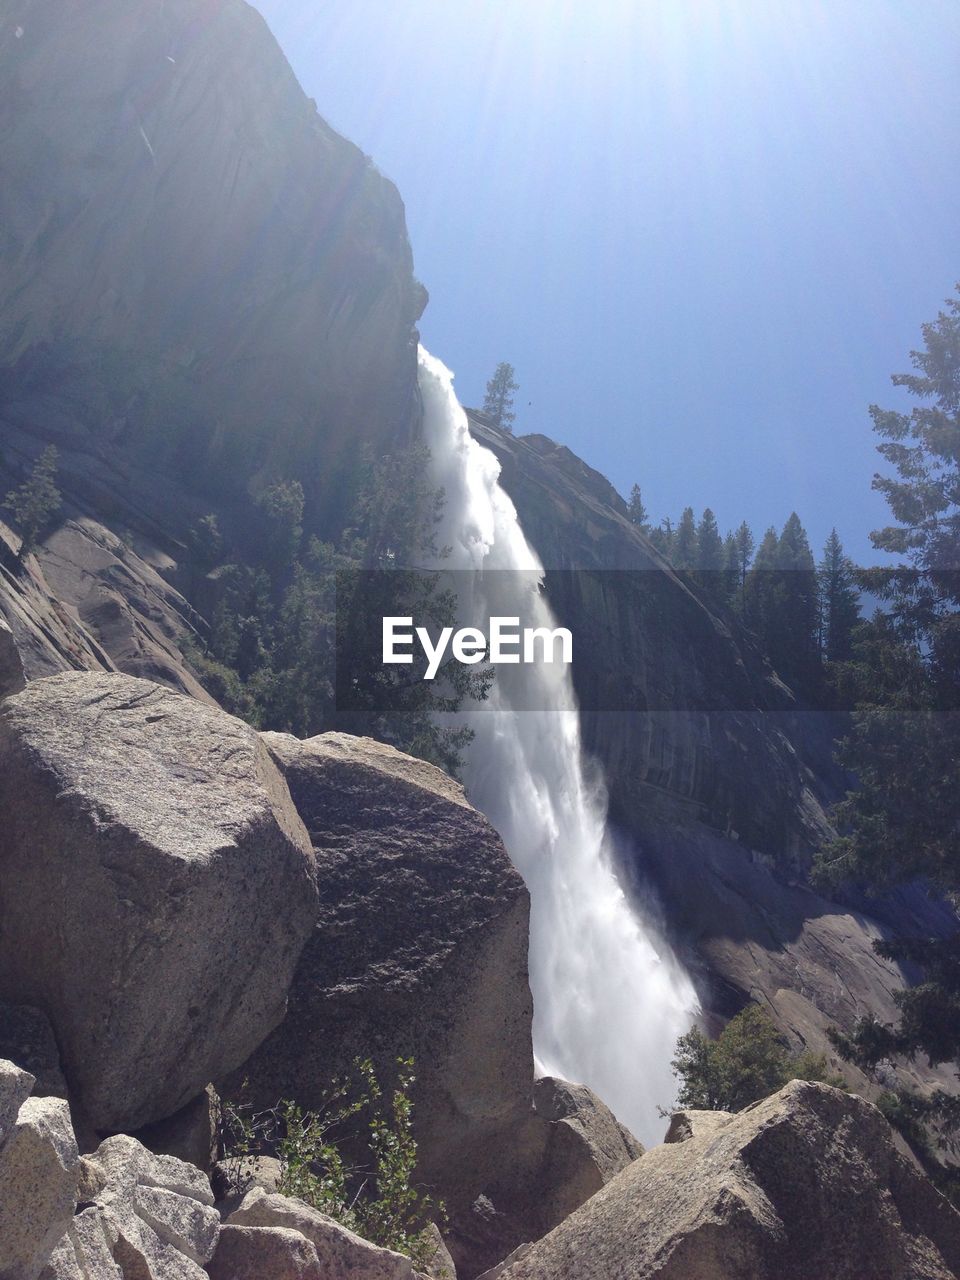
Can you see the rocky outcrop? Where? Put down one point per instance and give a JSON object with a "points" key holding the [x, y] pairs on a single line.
{"points": [[339, 1252], [144, 1217], [156, 887], [806, 1183], [202, 278], [39, 1169], [420, 949]]}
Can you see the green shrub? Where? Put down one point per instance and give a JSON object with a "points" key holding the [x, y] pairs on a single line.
{"points": [[376, 1199], [748, 1061]]}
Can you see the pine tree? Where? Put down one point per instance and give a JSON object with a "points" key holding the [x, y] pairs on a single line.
{"points": [[744, 540], [685, 542], [904, 744], [795, 637], [636, 511], [710, 558], [36, 500], [839, 602], [663, 538], [760, 588], [731, 569], [498, 401], [709, 544]]}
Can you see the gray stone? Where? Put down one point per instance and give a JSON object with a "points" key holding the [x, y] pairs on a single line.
{"points": [[39, 1167], [151, 1215], [339, 1251], [85, 1252], [259, 1253], [805, 1184], [420, 950], [15, 1087], [153, 841]]}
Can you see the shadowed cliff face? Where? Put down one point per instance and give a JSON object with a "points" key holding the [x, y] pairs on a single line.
{"points": [[198, 272]]}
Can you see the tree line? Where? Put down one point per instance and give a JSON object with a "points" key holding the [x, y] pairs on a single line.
{"points": [[803, 612]]}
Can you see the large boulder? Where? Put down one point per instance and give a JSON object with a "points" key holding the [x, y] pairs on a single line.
{"points": [[806, 1183], [39, 1172], [156, 888], [420, 949]]}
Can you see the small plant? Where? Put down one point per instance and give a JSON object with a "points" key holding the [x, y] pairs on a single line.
{"points": [[376, 1199], [35, 501], [748, 1061]]}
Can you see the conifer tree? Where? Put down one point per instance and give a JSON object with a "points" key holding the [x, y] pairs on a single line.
{"points": [[904, 745], [663, 538], [36, 500], [685, 542], [709, 544], [498, 401], [731, 569], [839, 602], [794, 637], [743, 537], [636, 511]]}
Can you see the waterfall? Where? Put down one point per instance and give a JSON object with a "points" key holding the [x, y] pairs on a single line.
{"points": [[610, 998]]}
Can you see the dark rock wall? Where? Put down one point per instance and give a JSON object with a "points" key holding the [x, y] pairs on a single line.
{"points": [[198, 273]]}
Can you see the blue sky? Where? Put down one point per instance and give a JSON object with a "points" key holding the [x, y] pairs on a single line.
{"points": [[705, 232]]}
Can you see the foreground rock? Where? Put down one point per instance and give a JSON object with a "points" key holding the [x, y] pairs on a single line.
{"points": [[147, 1217], [420, 949], [39, 1167], [156, 888], [338, 1252], [805, 1184]]}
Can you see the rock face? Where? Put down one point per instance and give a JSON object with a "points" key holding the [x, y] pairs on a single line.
{"points": [[806, 1183], [200, 274], [39, 1169], [420, 949], [156, 887], [713, 772]]}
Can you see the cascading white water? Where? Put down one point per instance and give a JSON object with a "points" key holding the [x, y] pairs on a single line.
{"points": [[610, 998]]}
